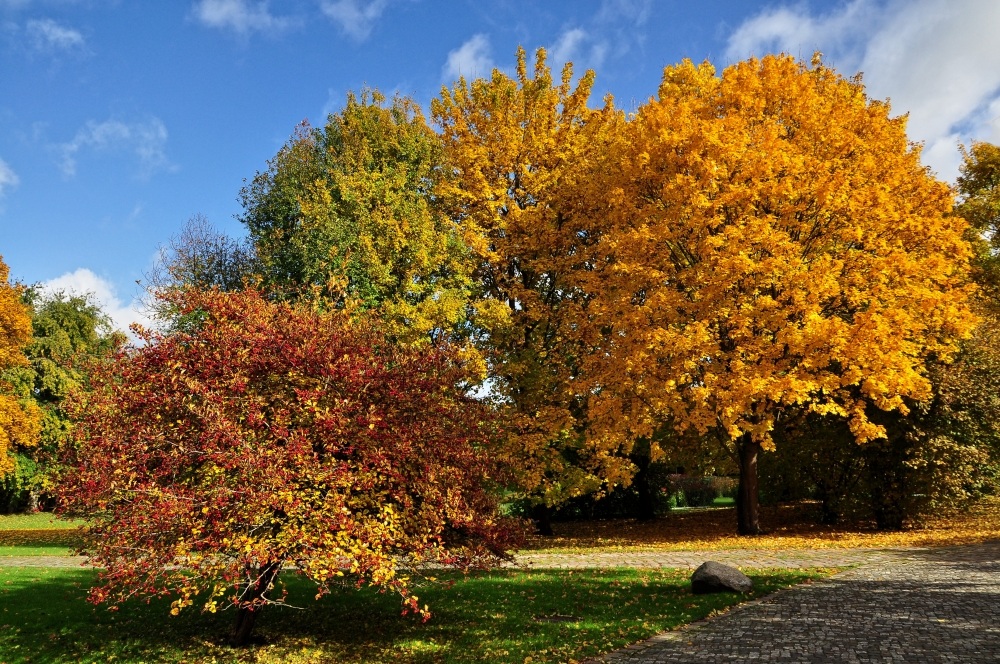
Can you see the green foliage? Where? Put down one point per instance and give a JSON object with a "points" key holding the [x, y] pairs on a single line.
{"points": [[67, 331], [979, 193], [348, 209]]}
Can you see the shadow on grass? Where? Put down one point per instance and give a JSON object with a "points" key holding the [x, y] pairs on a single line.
{"points": [[496, 617]]}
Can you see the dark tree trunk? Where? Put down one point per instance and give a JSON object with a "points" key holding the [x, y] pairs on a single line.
{"points": [[829, 510], [543, 520], [646, 508], [246, 617], [748, 494]]}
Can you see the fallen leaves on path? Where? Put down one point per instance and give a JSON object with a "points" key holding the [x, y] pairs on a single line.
{"points": [[788, 527]]}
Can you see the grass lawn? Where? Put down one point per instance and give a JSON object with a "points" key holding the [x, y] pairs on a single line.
{"points": [[507, 616]]}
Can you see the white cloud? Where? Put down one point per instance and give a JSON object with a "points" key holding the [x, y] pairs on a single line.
{"points": [[633, 11], [8, 178], [47, 35], [355, 17], [578, 46], [241, 16], [470, 60], [147, 140], [568, 45], [934, 59], [83, 281]]}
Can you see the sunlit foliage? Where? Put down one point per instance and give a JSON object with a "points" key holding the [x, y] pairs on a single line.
{"points": [[270, 436], [19, 417], [524, 150], [776, 246]]}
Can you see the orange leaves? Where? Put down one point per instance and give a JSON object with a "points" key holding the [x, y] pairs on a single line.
{"points": [[20, 421], [777, 244]]}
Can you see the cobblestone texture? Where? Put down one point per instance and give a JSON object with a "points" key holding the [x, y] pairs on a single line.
{"points": [[934, 605]]}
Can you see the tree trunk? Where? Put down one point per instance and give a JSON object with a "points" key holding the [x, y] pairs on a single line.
{"points": [[246, 616], [646, 508], [748, 494], [543, 520]]}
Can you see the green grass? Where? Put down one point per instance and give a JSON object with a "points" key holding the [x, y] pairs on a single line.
{"points": [[37, 521], [489, 617]]}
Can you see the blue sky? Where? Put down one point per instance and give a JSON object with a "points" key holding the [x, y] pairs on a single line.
{"points": [[121, 119]]}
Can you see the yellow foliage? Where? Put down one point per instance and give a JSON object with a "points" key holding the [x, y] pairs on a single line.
{"points": [[773, 242], [20, 421], [523, 150]]}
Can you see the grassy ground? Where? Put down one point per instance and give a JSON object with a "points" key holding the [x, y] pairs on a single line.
{"points": [[788, 527], [499, 617]]}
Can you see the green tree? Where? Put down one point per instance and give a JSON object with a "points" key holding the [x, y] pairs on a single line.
{"points": [[978, 187], [348, 209], [67, 332]]}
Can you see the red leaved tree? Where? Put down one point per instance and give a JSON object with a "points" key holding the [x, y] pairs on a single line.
{"points": [[264, 437]]}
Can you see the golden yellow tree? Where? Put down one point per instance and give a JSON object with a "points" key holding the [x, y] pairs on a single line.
{"points": [[19, 419], [524, 151], [775, 245]]}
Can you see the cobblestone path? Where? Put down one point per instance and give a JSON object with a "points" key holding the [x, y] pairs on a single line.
{"points": [[921, 607]]}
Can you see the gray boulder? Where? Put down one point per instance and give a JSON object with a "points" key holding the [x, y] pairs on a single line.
{"points": [[713, 577]]}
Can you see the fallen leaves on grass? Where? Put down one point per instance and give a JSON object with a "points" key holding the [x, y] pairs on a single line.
{"points": [[788, 527], [40, 537]]}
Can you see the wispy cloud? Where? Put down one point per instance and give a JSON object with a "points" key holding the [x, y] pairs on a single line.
{"points": [[934, 59], [83, 282], [632, 11], [470, 60], [355, 17], [47, 35], [568, 45], [8, 178], [580, 47], [146, 140], [240, 16]]}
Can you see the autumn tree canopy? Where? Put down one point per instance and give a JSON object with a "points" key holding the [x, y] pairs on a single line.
{"points": [[272, 436], [524, 150], [774, 244], [19, 417]]}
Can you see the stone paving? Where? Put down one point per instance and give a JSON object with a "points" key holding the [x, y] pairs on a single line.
{"points": [[921, 607]]}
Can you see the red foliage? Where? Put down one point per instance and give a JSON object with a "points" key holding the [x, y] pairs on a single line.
{"points": [[266, 436]]}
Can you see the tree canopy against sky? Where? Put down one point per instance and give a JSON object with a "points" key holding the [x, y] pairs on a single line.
{"points": [[524, 149], [272, 435], [774, 244], [347, 209]]}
